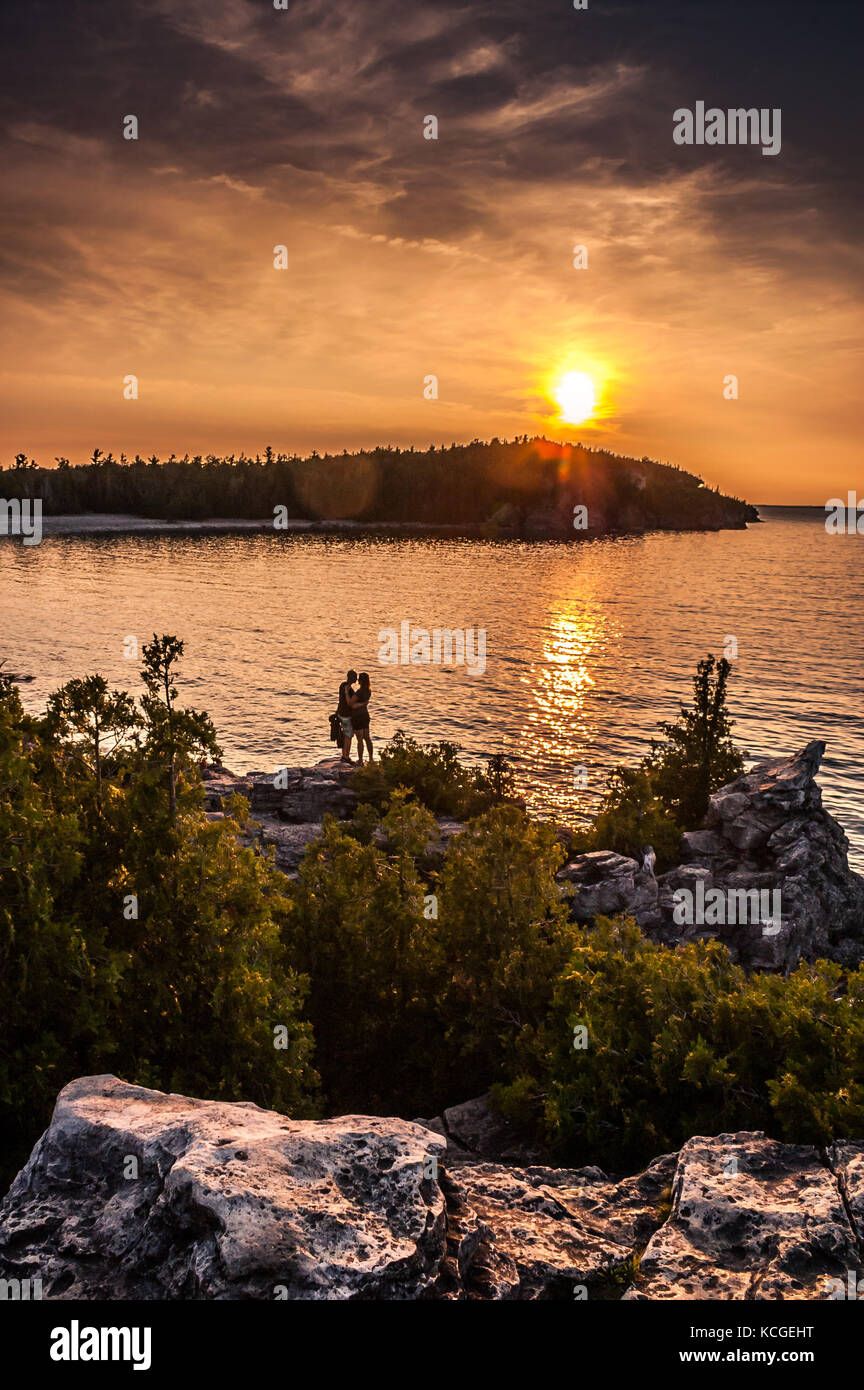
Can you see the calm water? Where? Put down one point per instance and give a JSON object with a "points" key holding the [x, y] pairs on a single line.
{"points": [[588, 646]]}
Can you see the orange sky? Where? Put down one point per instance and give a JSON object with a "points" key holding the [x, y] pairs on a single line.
{"points": [[410, 257]]}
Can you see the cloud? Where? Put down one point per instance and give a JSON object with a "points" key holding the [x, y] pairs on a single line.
{"points": [[407, 256]]}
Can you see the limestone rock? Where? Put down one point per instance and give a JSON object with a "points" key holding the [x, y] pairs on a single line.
{"points": [[545, 1231], [751, 1219], [133, 1194], [607, 883], [295, 795], [230, 1201]]}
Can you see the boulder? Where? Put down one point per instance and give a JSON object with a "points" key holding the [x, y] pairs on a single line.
{"points": [[132, 1194], [289, 842], [605, 883], [474, 1130], [751, 1219]]}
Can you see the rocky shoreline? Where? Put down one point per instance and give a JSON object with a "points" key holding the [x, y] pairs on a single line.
{"points": [[766, 834], [134, 1194]]}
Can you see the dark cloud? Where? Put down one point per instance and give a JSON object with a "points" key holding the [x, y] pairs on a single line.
{"points": [[305, 127]]}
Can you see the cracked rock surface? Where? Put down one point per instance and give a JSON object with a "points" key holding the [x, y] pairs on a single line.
{"points": [[767, 833], [134, 1194]]}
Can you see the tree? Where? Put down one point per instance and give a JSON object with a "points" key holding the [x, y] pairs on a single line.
{"points": [[57, 982], [131, 941], [91, 715], [173, 735], [697, 756]]}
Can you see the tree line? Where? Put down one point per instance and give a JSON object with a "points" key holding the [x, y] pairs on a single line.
{"points": [[463, 484]]}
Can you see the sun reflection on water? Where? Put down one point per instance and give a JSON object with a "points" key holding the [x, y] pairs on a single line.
{"points": [[561, 725]]}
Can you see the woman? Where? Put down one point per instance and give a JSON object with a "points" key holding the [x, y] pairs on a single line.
{"points": [[359, 706], [343, 711]]}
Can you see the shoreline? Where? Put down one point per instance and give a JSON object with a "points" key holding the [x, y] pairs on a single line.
{"points": [[111, 523]]}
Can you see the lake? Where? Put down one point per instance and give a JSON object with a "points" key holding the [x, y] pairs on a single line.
{"points": [[588, 645]]}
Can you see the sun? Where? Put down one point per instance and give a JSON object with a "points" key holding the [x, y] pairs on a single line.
{"points": [[576, 396]]}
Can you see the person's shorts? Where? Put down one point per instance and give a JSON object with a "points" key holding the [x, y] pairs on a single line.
{"points": [[346, 725]]}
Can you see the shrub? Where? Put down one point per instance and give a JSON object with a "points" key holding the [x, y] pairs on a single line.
{"points": [[434, 774], [357, 929], [632, 816], [504, 932], [681, 1042], [135, 936]]}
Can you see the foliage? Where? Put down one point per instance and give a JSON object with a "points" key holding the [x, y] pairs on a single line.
{"points": [[465, 484], [417, 995], [139, 937], [681, 1042], [632, 816], [358, 930], [435, 776], [504, 932], [697, 756], [135, 936], [669, 791]]}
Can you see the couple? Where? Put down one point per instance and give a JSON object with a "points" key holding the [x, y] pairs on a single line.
{"points": [[353, 712]]}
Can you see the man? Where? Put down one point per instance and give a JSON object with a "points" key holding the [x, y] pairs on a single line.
{"points": [[343, 709]]}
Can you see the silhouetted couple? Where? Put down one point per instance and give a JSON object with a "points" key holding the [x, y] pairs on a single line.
{"points": [[353, 712]]}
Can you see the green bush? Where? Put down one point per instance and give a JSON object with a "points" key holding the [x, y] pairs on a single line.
{"points": [[682, 1042], [630, 817], [420, 989], [135, 935], [504, 933], [435, 776], [357, 929]]}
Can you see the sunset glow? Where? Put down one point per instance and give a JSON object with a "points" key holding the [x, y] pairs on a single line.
{"points": [[576, 397]]}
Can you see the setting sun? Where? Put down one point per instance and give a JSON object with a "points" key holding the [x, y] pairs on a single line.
{"points": [[576, 397]]}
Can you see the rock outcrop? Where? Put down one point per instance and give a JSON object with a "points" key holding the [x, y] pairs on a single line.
{"points": [[133, 1194], [289, 806], [606, 883], [769, 866], [292, 795], [750, 1219]]}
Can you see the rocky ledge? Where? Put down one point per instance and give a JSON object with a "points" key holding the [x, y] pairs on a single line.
{"points": [[766, 842], [289, 806], [133, 1194], [766, 835]]}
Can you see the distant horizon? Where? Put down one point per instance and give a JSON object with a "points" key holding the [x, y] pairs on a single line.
{"points": [[242, 452]]}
